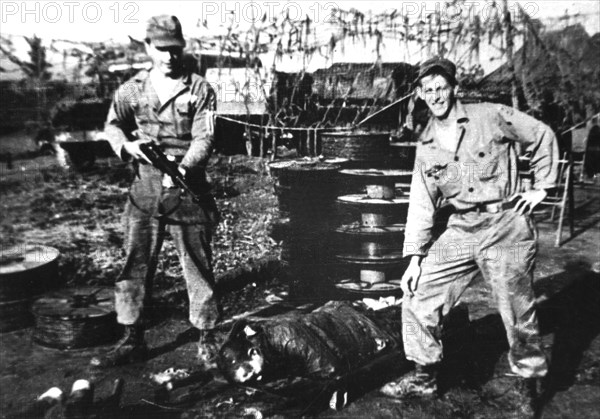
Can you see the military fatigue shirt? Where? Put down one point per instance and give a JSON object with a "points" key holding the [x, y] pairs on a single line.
{"points": [[482, 169], [184, 128], [183, 125]]}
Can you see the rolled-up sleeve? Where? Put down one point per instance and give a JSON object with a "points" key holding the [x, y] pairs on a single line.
{"points": [[121, 119], [203, 129], [424, 196], [538, 139]]}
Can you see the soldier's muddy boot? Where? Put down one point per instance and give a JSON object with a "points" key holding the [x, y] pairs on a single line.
{"points": [[207, 349], [130, 349], [422, 382], [529, 397]]}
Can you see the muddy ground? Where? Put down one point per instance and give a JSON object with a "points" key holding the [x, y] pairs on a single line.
{"points": [[79, 213]]}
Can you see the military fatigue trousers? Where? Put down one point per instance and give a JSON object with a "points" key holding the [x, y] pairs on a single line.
{"points": [[502, 246], [144, 239]]}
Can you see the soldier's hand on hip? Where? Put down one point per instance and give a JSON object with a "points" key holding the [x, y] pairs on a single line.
{"points": [[133, 149], [410, 279], [528, 200]]}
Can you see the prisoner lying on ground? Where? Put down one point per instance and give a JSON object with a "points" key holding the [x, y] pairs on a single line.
{"points": [[336, 343]]}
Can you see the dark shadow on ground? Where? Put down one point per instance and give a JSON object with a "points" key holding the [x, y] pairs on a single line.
{"points": [[187, 336], [580, 229], [572, 315], [475, 359]]}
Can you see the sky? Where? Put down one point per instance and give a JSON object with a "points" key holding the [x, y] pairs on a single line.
{"points": [[103, 20]]}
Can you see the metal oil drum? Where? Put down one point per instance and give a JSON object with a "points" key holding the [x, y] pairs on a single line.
{"points": [[25, 272], [75, 318], [306, 189], [363, 148], [403, 155]]}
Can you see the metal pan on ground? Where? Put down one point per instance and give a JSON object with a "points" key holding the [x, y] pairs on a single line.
{"points": [[75, 318], [25, 271]]}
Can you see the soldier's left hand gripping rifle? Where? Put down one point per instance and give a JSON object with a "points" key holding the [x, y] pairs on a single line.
{"points": [[169, 167]]}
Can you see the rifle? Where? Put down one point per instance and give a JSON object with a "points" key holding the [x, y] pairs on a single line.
{"points": [[168, 167]]}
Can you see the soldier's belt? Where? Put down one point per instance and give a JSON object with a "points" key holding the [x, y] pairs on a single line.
{"points": [[489, 207]]}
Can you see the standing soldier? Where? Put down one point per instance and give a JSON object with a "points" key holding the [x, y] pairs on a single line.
{"points": [[174, 108], [467, 156]]}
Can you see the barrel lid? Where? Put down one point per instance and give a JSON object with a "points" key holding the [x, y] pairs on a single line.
{"points": [[23, 258], [404, 144], [336, 160], [377, 173], [361, 200], [369, 231], [388, 259], [303, 164], [392, 286], [75, 303]]}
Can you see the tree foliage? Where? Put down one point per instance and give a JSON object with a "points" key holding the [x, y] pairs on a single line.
{"points": [[37, 68]]}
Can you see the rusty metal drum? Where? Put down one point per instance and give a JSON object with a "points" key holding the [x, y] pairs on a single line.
{"points": [[306, 189], [363, 148], [25, 272], [403, 154], [75, 318]]}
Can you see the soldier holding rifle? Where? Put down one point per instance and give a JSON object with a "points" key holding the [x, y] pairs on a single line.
{"points": [[170, 110]]}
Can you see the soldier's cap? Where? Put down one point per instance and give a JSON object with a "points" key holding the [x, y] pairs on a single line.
{"points": [[439, 66], [165, 31]]}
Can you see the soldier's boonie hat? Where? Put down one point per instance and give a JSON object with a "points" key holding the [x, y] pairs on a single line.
{"points": [[165, 31], [440, 66]]}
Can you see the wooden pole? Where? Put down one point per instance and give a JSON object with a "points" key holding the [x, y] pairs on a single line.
{"points": [[262, 140]]}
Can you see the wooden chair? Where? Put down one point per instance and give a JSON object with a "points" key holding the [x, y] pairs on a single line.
{"points": [[561, 197]]}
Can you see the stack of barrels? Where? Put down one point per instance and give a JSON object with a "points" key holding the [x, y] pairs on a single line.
{"points": [[374, 244], [306, 191]]}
